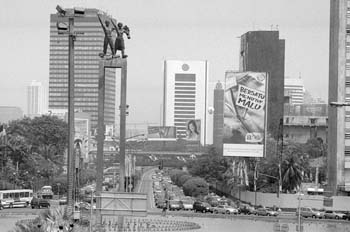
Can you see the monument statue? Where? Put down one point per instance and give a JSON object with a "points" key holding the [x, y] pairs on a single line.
{"points": [[119, 41], [108, 40]]}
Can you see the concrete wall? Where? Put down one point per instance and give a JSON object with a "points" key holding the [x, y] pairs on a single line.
{"points": [[291, 200]]}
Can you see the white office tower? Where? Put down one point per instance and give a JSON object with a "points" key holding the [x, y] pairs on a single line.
{"points": [[185, 96], [36, 99]]}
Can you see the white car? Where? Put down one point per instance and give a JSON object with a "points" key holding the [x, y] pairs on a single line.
{"points": [[187, 205], [225, 209]]}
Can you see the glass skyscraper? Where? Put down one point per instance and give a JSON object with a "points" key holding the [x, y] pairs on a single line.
{"points": [[87, 47]]}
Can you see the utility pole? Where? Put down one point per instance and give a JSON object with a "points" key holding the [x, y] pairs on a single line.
{"points": [[70, 169], [280, 137], [63, 28]]}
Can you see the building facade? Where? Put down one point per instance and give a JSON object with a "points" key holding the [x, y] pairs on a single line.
{"points": [[294, 89], [305, 121], [263, 51], [218, 122], [339, 91], [185, 95], [87, 47], [36, 99]]}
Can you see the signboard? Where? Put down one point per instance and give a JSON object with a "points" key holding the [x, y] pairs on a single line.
{"points": [[193, 130], [81, 130], [245, 114], [161, 133], [123, 204], [328, 202]]}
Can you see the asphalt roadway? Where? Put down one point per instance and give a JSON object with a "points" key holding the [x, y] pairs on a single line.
{"points": [[208, 222]]}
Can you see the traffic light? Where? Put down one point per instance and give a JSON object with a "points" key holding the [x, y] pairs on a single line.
{"points": [[127, 110]]}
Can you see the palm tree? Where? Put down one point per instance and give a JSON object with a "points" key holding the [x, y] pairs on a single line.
{"points": [[292, 173]]}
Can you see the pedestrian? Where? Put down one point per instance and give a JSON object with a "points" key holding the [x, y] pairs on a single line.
{"points": [[164, 208]]}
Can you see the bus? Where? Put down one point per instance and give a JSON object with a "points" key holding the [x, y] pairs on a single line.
{"points": [[46, 192], [16, 198]]}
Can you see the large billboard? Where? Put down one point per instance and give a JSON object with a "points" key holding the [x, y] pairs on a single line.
{"points": [[161, 133], [245, 114], [193, 130]]}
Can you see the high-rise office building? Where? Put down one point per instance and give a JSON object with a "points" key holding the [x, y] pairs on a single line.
{"points": [[87, 47], [263, 51], [294, 89], [36, 99], [339, 91], [185, 95]]}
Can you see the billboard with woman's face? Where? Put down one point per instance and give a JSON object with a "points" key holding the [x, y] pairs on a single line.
{"points": [[193, 130], [245, 114]]}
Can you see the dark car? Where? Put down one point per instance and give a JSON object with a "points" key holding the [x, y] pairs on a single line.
{"points": [[246, 209], [346, 216], [39, 203], [266, 212], [203, 207]]}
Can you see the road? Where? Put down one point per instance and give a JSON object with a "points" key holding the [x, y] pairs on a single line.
{"points": [[208, 222], [146, 187]]}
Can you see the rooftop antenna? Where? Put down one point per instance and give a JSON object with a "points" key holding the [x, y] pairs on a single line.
{"points": [[271, 27], [276, 27]]}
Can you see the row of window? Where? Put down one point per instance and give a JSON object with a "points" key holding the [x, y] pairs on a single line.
{"points": [[78, 38], [87, 77], [87, 71], [65, 66], [76, 61], [76, 48], [56, 44]]}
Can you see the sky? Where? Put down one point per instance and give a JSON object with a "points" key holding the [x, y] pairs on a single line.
{"points": [[168, 29]]}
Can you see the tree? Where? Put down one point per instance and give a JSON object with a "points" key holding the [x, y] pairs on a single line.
{"points": [[292, 174], [196, 187], [45, 135], [176, 174], [183, 179], [209, 167]]}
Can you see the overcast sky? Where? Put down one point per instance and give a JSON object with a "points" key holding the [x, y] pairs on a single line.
{"points": [[168, 29]]}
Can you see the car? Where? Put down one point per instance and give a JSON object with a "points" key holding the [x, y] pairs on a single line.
{"points": [[225, 209], [186, 205], [330, 214], [246, 209], [174, 205], [83, 206], [203, 207], [346, 215], [309, 212], [62, 201], [39, 203], [266, 212]]}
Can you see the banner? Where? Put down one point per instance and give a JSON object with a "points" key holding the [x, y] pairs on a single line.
{"points": [[193, 130], [81, 130], [245, 114], [161, 133]]}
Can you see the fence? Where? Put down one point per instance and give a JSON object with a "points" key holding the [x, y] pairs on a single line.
{"points": [[341, 203]]}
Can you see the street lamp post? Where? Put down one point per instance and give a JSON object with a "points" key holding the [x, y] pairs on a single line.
{"points": [[69, 30]]}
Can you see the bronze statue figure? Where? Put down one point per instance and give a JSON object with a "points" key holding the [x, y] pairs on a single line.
{"points": [[108, 37], [119, 41]]}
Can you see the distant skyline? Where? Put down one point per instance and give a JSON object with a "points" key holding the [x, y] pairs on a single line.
{"points": [[172, 29]]}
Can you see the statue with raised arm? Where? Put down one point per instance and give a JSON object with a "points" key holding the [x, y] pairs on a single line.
{"points": [[108, 36], [119, 41]]}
